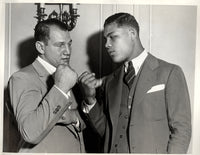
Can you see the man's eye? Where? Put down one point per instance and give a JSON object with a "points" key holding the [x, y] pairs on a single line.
{"points": [[70, 43], [59, 44], [113, 37]]}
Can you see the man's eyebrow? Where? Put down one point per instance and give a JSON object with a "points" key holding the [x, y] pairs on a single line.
{"points": [[64, 42], [109, 34]]}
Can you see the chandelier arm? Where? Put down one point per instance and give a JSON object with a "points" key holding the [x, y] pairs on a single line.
{"points": [[68, 17]]}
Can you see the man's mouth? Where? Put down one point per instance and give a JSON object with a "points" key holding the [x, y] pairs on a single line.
{"points": [[111, 52], [66, 59]]}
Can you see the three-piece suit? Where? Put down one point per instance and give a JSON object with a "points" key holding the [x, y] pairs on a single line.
{"points": [[160, 116]]}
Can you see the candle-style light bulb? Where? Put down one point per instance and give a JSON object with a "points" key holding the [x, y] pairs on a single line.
{"points": [[74, 6], [42, 5]]}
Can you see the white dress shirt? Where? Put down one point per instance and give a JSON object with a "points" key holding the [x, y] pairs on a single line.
{"points": [[137, 62]]}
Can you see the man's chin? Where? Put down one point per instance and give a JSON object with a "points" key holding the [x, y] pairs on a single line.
{"points": [[64, 63], [116, 60]]}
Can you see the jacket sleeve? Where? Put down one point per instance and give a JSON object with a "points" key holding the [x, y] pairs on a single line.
{"points": [[98, 118], [35, 113], [97, 114], [179, 112]]}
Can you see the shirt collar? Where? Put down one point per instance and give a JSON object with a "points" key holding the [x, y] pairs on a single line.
{"points": [[137, 62], [50, 68]]}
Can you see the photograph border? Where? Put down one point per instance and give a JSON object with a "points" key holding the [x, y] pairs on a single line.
{"points": [[196, 109]]}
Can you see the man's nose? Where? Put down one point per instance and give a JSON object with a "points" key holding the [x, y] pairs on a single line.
{"points": [[66, 50], [107, 44]]}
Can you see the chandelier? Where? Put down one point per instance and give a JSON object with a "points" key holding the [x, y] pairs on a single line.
{"points": [[68, 17]]}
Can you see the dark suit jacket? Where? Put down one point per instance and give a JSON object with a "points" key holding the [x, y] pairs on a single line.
{"points": [[160, 119], [37, 107]]}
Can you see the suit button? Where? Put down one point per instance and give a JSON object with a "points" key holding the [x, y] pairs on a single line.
{"points": [[63, 117], [126, 116], [55, 111], [58, 107]]}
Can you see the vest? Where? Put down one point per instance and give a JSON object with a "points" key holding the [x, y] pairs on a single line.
{"points": [[121, 144]]}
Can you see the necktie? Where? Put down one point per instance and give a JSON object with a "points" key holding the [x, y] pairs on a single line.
{"points": [[129, 76], [50, 82]]}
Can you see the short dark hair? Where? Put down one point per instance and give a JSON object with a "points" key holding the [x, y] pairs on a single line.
{"points": [[42, 29], [123, 19]]}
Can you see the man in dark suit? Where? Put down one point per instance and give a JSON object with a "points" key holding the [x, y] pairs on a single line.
{"points": [[42, 98], [146, 106]]}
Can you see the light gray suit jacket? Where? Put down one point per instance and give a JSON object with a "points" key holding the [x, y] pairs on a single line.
{"points": [[37, 107], [160, 119]]}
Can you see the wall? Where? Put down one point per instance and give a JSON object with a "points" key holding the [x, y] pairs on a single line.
{"points": [[169, 32]]}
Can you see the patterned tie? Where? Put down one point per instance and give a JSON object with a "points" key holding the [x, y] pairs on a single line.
{"points": [[129, 76]]}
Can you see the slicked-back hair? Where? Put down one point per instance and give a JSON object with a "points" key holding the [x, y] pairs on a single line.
{"points": [[42, 29], [123, 19]]}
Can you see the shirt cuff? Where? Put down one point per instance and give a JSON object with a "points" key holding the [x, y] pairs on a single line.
{"points": [[77, 124], [66, 95], [86, 108]]}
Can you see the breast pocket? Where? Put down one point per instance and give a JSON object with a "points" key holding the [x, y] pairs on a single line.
{"points": [[154, 106]]}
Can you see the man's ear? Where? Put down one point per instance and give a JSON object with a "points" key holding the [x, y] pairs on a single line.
{"points": [[40, 47], [133, 33]]}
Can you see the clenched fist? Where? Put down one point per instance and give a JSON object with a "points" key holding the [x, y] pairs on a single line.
{"points": [[88, 84], [65, 77]]}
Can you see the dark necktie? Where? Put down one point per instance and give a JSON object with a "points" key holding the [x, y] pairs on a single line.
{"points": [[129, 76], [50, 82]]}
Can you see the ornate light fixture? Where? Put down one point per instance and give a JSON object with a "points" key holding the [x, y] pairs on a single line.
{"points": [[67, 17]]}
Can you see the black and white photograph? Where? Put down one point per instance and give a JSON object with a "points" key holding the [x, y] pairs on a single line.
{"points": [[100, 77]]}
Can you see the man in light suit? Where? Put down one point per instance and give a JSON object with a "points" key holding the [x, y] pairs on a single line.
{"points": [[145, 106], [42, 98]]}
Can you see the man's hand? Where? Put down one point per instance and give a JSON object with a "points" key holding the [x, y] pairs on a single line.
{"points": [[69, 117], [88, 84], [65, 77]]}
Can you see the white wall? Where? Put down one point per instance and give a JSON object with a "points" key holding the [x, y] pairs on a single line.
{"points": [[173, 36], [168, 32]]}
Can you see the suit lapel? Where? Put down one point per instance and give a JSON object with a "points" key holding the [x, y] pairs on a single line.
{"points": [[146, 79], [43, 74]]}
